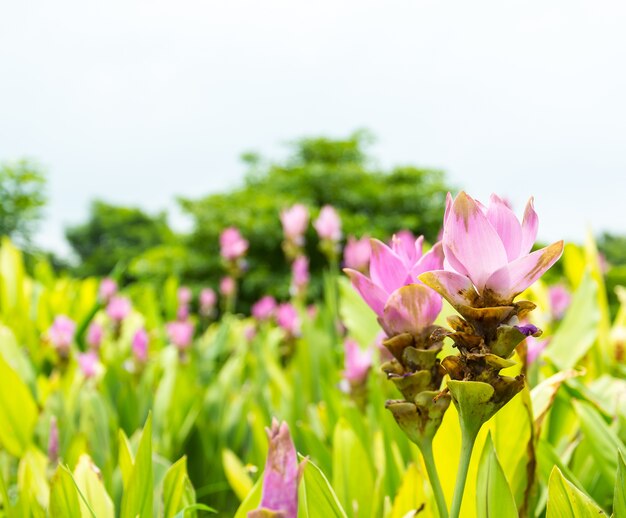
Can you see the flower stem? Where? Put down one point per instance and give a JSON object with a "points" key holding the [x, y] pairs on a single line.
{"points": [[426, 447], [468, 438]]}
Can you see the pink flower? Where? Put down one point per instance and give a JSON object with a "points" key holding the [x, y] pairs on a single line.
{"points": [[94, 335], [534, 347], [61, 333], [118, 308], [108, 288], [560, 299], [287, 318], [356, 254], [227, 286], [392, 290], [487, 253], [250, 333], [207, 301], [295, 221], [328, 224], [281, 476], [232, 244], [180, 334], [184, 295], [53, 440], [357, 361], [140, 345], [88, 363], [264, 309], [183, 312], [300, 272]]}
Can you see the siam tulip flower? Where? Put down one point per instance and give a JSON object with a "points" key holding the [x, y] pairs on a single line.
{"points": [[487, 253], [281, 476], [300, 273], [180, 334], [94, 335], [356, 254], [208, 299], [182, 313], [560, 299], [264, 308], [108, 288], [227, 286], [357, 362], [534, 348], [88, 363], [287, 318], [232, 244], [118, 308], [53, 441], [295, 221], [61, 333], [250, 333], [184, 296], [140, 345], [328, 224], [392, 291]]}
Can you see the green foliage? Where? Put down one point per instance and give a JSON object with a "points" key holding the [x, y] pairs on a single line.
{"points": [[22, 198], [493, 494], [115, 234]]}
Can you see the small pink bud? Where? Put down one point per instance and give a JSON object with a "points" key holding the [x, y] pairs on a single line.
{"points": [[208, 299], [61, 333], [357, 361], [53, 441], [88, 363], [118, 308], [184, 296], [264, 308], [227, 286], [560, 299], [287, 318], [534, 348], [300, 272], [356, 254], [328, 224], [180, 334], [94, 335], [108, 288], [232, 244], [140, 345], [295, 221]]}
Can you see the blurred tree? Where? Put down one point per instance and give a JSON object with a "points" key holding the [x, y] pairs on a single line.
{"points": [[22, 198], [116, 234], [613, 247], [319, 171]]}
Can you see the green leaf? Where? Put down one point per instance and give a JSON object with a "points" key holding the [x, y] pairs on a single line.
{"points": [[64, 499], [137, 497], [619, 498], [18, 411], [317, 498], [566, 501], [96, 501], [356, 315], [194, 507], [178, 494], [494, 498], [125, 458], [579, 328], [236, 474]]}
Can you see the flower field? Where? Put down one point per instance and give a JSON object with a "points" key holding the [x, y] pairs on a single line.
{"points": [[480, 375]]}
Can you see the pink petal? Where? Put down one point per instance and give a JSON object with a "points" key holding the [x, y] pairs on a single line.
{"points": [[513, 278], [386, 268], [530, 224], [373, 295], [473, 241], [410, 309], [431, 260], [457, 289], [507, 226]]}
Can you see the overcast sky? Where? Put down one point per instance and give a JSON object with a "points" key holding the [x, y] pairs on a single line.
{"points": [[138, 101]]}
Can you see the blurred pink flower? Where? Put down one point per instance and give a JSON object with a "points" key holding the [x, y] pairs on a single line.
{"points": [[208, 299], [356, 254], [281, 476], [180, 333], [560, 299], [227, 286], [328, 224], [295, 221], [300, 272], [61, 333], [140, 345], [118, 308], [264, 308], [108, 288], [53, 441], [184, 296], [287, 318], [232, 244], [88, 363], [534, 348], [487, 252], [357, 361], [94, 335], [250, 333]]}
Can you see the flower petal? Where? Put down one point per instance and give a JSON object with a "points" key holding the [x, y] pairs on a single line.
{"points": [[431, 260], [472, 240], [386, 268], [373, 295], [507, 226], [530, 224], [510, 280], [410, 309], [457, 289]]}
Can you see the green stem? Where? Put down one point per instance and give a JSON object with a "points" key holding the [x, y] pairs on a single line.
{"points": [[468, 438], [429, 461]]}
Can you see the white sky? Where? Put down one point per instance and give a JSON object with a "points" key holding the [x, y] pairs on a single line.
{"points": [[138, 101]]}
